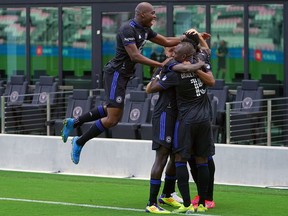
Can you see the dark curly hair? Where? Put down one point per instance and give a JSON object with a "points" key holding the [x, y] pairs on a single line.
{"points": [[193, 39]]}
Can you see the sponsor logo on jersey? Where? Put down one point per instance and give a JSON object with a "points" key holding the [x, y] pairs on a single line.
{"points": [[129, 39], [187, 75]]}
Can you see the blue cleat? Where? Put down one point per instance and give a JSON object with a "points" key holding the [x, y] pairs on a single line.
{"points": [[67, 128], [76, 150]]}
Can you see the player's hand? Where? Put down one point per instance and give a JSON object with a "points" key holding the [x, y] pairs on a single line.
{"points": [[205, 35], [200, 63], [165, 61], [191, 31]]}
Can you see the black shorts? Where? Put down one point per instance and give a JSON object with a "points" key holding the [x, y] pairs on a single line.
{"points": [[115, 86], [163, 130], [193, 139]]}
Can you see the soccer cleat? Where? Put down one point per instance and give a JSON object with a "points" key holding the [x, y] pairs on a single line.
{"points": [[201, 208], [209, 204], [183, 209], [67, 128], [155, 209], [169, 201], [195, 200], [176, 197], [76, 150]]}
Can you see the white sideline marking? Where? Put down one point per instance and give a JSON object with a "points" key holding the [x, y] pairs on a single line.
{"points": [[83, 205], [70, 204]]}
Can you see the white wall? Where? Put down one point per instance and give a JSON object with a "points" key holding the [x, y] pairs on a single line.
{"points": [[235, 164]]}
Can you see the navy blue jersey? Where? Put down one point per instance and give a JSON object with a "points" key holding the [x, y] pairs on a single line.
{"points": [[129, 33], [167, 99], [192, 100]]}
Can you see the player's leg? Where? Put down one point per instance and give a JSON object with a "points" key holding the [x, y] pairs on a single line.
{"points": [[70, 124], [115, 87], [202, 149], [113, 117], [169, 186], [194, 173], [182, 149], [209, 202], [160, 161], [183, 184]]}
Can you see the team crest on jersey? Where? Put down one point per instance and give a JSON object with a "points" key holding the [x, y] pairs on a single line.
{"points": [[119, 99], [168, 139], [164, 78]]}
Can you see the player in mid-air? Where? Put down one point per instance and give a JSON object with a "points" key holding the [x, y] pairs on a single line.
{"points": [[131, 38]]}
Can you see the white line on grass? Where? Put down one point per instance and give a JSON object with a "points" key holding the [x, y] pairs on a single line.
{"points": [[81, 205]]}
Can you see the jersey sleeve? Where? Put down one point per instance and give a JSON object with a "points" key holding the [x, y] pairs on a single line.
{"points": [[169, 79], [127, 35], [151, 34]]}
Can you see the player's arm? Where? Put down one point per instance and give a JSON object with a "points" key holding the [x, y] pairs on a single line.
{"points": [[154, 86], [186, 68], [136, 56], [167, 41], [206, 77]]}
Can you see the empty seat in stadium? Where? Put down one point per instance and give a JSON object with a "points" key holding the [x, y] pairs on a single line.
{"points": [[133, 85], [146, 128], [135, 112], [246, 117], [79, 103], [34, 114], [15, 94], [220, 94]]}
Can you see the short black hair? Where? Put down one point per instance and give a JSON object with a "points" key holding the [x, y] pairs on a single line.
{"points": [[193, 39]]}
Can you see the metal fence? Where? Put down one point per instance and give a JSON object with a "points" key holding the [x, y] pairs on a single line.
{"points": [[258, 122], [32, 114]]}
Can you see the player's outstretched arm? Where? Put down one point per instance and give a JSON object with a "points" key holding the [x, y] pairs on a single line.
{"points": [[186, 68], [167, 41], [136, 56]]}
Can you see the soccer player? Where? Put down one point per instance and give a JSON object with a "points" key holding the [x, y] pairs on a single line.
{"points": [[193, 135], [202, 53], [131, 38], [163, 122]]}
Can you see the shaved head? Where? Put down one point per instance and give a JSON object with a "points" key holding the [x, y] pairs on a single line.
{"points": [[145, 14], [143, 7]]}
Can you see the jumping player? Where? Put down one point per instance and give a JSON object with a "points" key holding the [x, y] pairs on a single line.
{"points": [[131, 38]]}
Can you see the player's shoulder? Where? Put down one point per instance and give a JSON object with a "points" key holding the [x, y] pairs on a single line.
{"points": [[126, 25]]}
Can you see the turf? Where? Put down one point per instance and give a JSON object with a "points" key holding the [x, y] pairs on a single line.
{"points": [[99, 194]]}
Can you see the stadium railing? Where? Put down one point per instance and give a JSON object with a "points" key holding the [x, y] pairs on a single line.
{"points": [[267, 126]]}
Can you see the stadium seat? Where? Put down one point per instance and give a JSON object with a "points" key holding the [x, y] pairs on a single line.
{"points": [[215, 127], [34, 114], [146, 128], [78, 103], [246, 118], [15, 93], [99, 100], [134, 84], [220, 94], [136, 111]]}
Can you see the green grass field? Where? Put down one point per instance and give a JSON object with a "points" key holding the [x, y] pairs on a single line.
{"points": [[37, 194]]}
